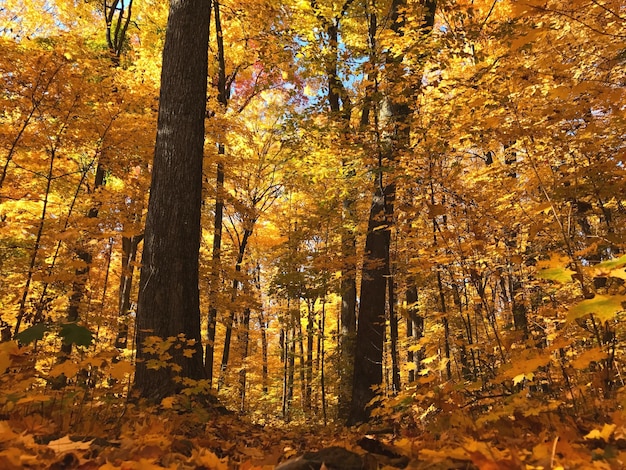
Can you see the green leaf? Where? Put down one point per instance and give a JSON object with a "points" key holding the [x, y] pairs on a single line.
{"points": [[32, 334], [604, 306], [612, 263], [76, 334], [561, 275]]}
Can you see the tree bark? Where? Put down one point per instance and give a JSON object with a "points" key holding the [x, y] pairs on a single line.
{"points": [[168, 290]]}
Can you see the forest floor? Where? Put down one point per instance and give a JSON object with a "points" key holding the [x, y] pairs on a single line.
{"points": [[200, 438]]}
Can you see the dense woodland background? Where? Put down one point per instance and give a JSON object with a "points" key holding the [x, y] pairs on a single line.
{"points": [[431, 193]]}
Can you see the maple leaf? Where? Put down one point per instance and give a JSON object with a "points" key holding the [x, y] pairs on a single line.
{"points": [[603, 434], [603, 306], [121, 370]]}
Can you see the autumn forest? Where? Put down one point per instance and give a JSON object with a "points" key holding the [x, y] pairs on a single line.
{"points": [[350, 233]]}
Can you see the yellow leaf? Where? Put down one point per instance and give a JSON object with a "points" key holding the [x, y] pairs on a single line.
{"points": [[618, 273], [6, 349], [168, 403], [119, 370], [67, 368], [604, 433], [6, 433], [592, 355], [518, 378]]}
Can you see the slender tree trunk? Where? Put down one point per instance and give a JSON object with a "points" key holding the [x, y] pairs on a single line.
{"points": [[322, 349], [264, 367], [21, 314], [233, 297], [129, 256], [393, 335], [298, 322], [371, 321], [117, 17], [310, 328], [340, 110], [244, 341], [414, 329], [216, 264], [446, 327], [283, 358], [169, 302]]}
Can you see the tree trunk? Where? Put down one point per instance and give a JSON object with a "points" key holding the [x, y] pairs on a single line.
{"points": [[263, 327], [169, 301], [310, 328], [244, 338], [368, 372], [340, 109], [414, 329], [393, 335], [222, 98], [233, 297], [129, 255], [117, 17]]}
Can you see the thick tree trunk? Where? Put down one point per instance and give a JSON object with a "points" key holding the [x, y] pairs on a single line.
{"points": [[368, 370], [168, 291]]}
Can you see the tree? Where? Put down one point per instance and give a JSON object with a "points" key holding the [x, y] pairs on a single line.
{"points": [[168, 303], [394, 114]]}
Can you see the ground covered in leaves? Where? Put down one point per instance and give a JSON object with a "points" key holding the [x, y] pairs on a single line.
{"points": [[206, 437]]}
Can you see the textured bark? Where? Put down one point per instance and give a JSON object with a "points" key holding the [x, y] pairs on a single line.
{"points": [[168, 289], [368, 369]]}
